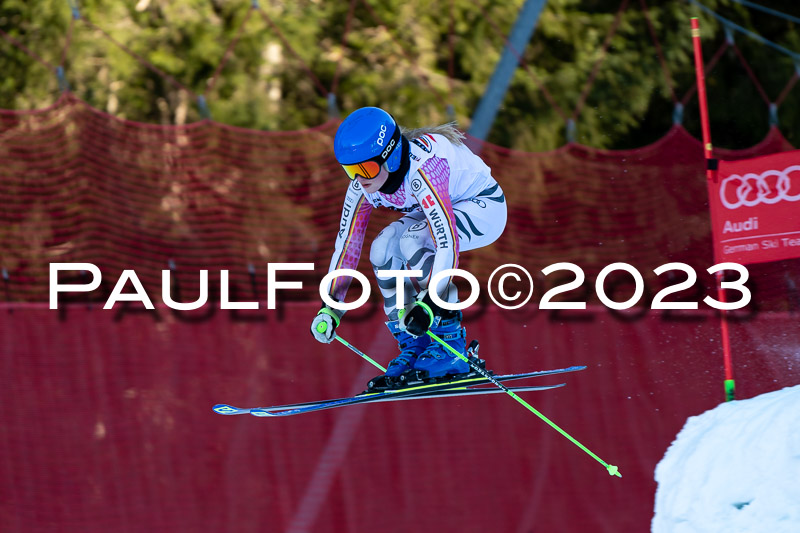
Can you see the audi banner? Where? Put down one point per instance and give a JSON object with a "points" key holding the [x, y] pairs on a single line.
{"points": [[755, 209]]}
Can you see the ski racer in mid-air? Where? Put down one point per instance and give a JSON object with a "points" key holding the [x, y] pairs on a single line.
{"points": [[451, 203]]}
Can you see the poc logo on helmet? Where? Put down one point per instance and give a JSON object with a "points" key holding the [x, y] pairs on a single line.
{"points": [[381, 135], [388, 150]]}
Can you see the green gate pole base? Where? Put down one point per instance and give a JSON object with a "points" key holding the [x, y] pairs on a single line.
{"points": [[730, 390]]}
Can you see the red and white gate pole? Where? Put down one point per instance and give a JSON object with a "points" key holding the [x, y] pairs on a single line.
{"points": [[711, 174]]}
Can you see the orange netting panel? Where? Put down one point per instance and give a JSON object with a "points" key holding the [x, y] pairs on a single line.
{"points": [[77, 185]]}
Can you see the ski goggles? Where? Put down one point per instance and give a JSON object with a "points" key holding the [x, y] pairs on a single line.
{"points": [[367, 170], [370, 168]]}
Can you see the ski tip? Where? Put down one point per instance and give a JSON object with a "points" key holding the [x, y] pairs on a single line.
{"points": [[225, 409]]}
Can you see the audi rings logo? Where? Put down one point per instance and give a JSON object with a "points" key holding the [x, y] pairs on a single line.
{"points": [[769, 187]]}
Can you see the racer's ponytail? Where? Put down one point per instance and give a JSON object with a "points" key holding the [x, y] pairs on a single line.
{"points": [[448, 131]]}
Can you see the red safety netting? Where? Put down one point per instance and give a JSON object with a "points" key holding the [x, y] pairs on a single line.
{"points": [[107, 424], [77, 185]]}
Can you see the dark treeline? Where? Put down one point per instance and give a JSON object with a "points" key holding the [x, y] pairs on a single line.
{"points": [[418, 59]]}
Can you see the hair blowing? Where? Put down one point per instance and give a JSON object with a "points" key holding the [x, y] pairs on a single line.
{"points": [[448, 131]]}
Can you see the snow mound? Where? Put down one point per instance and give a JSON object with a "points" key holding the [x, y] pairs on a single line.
{"points": [[734, 469]]}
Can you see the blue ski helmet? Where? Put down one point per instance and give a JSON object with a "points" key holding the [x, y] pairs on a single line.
{"points": [[368, 138]]}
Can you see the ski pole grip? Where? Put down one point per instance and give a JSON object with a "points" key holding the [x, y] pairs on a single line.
{"points": [[322, 327]]}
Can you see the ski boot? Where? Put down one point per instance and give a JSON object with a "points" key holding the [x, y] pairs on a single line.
{"points": [[410, 347], [439, 362]]}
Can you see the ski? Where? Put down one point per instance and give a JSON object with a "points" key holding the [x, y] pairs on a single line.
{"points": [[224, 409], [412, 391]]}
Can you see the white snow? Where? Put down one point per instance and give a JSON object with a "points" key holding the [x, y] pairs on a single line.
{"points": [[734, 469]]}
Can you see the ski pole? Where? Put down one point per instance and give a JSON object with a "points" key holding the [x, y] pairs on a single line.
{"points": [[613, 470], [359, 352], [322, 327]]}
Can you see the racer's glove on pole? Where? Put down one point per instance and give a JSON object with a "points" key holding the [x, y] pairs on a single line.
{"points": [[418, 317], [324, 325]]}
